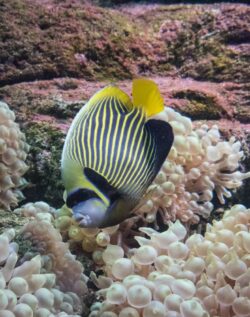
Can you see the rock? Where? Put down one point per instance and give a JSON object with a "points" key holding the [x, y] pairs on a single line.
{"points": [[76, 39]]}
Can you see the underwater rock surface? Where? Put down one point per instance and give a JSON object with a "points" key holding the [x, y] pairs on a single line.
{"points": [[76, 39]]}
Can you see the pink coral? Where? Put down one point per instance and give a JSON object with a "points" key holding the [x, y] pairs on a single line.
{"points": [[169, 30]]}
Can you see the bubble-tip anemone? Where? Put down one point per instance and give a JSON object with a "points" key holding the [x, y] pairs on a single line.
{"points": [[26, 290], [13, 152], [199, 164], [201, 277]]}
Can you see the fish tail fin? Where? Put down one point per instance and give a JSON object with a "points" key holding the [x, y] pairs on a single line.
{"points": [[146, 95]]}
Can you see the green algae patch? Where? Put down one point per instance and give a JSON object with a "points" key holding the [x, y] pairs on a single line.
{"points": [[44, 175], [243, 113], [59, 108], [44, 98], [20, 100], [25, 246], [199, 106], [9, 220], [227, 65]]}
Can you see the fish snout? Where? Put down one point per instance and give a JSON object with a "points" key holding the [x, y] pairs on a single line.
{"points": [[83, 221], [90, 213]]}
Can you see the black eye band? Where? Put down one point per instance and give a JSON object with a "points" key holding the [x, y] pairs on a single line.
{"points": [[80, 195], [102, 184]]}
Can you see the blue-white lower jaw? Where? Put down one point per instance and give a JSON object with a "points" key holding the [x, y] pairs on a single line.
{"points": [[89, 213], [84, 221]]}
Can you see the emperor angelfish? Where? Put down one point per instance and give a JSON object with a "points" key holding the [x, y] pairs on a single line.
{"points": [[112, 153]]}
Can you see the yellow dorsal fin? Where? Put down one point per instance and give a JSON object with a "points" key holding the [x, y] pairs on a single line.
{"points": [[146, 95], [111, 91]]}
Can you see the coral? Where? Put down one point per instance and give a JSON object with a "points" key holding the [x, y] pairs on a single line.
{"points": [[48, 241], [199, 164], [13, 152], [27, 290], [233, 24], [170, 29], [39, 210], [203, 276]]}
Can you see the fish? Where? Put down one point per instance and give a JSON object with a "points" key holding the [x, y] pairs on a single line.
{"points": [[112, 152]]}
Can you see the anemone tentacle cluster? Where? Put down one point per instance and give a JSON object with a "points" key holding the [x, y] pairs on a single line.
{"points": [[26, 290], [39, 210], [170, 276], [48, 241], [199, 164], [13, 152], [89, 238]]}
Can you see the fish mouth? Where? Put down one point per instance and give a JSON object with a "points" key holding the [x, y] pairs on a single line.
{"points": [[84, 221], [89, 213]]}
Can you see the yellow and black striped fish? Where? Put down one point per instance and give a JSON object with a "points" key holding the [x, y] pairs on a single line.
{"points": [[112, 153]]}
